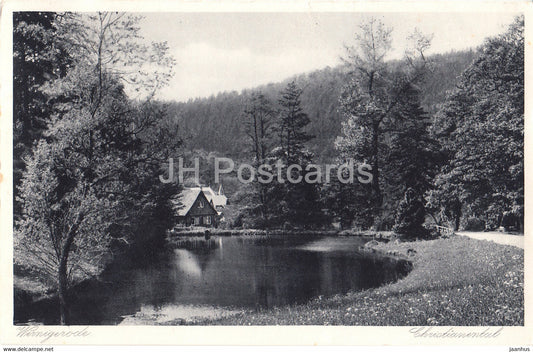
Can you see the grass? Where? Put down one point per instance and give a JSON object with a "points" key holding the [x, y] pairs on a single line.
{"points": [[455, 281]]}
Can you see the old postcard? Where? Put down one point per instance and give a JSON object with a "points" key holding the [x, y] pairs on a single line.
{"points": [[253, 173]]}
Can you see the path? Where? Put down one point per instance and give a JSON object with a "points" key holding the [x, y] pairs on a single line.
{"points": [[498, 237]]}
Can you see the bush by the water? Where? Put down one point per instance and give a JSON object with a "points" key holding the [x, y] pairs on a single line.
{"points": [[474, 224], [410, 217]]}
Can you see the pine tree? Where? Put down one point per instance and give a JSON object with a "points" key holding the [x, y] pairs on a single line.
{"points": [[292, 124], [38, 57], [299, 201], [412, 155]]}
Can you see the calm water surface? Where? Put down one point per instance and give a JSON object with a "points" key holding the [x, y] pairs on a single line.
{"points": [[236, 272]]}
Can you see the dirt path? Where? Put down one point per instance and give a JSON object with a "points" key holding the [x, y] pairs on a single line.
{"points": [[498, 237]]}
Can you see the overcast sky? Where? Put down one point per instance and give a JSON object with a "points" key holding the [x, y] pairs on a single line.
{"points": [[231, 51]]}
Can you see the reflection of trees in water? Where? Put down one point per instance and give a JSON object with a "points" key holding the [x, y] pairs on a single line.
{"points": [[195, 253], [131, 288], [228, 272], [340, 273], [197, 245], [265, 283], [285, 277], [380, 270]]}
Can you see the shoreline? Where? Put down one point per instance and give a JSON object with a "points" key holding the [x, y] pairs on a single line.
{"points": [[491, 293], [201, 231], [452, 271]]}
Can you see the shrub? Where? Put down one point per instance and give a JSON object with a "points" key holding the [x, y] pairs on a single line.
{"points": [[410, 216], [385, 222], [474, 224], [510, 221]]}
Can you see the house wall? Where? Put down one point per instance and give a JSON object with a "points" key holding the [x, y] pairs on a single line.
{"points": [[206, 215]]}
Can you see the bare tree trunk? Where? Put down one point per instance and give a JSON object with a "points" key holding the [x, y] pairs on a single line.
{"points": [[376, 191], [63, 279], [437, 222], [458, 215], [62, 293], [457, 221]]}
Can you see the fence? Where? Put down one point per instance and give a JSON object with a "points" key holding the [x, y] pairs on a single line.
{"points": [[443, 230]]}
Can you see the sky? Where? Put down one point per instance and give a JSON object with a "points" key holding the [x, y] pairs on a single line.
{"points": [[218, 52]]}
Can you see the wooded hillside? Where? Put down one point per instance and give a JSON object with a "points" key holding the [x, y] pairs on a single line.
{"points": [[216, 123]]}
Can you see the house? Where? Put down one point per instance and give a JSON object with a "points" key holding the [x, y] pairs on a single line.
{"points": [[195, 209], [218, 199]]}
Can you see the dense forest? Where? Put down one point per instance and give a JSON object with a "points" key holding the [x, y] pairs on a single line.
{"points": [[216, 123], [433, 127]]}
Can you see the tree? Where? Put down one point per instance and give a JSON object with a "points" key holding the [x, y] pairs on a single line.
{"points": [[364, 99], [259, 127], [373, 99], [443, 200], [412, 157], [90, 178], [348, 203], [484, 133], [215, 123], [292, 122], [410, 216], [299, 201], [37, 58]]}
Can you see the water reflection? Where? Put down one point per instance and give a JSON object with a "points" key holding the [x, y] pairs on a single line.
{"points": [[233, 272], [188, 264]]}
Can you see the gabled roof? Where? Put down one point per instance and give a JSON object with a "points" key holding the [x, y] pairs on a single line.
{"points": [[216, 199], [186, 200]]}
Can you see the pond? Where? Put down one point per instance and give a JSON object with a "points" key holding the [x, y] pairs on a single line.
{"points": [[223, 274]]}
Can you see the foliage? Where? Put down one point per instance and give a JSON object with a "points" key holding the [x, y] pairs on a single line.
{"points": [[215, 123], [410, 216], [349, 204], [482, 129], [443, 203], [259, 125], [292, 203], [91, 180], [381, 107], [258, 122], [52, 215], [292, 123], [474, 224], [412, 156], [37, 58], [278, 142]]}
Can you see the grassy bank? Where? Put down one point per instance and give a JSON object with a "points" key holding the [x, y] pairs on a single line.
{"points": [[455, 281]]}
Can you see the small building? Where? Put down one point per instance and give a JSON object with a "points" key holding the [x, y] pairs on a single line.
{"points": [[194, 209], [218, 199]]}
